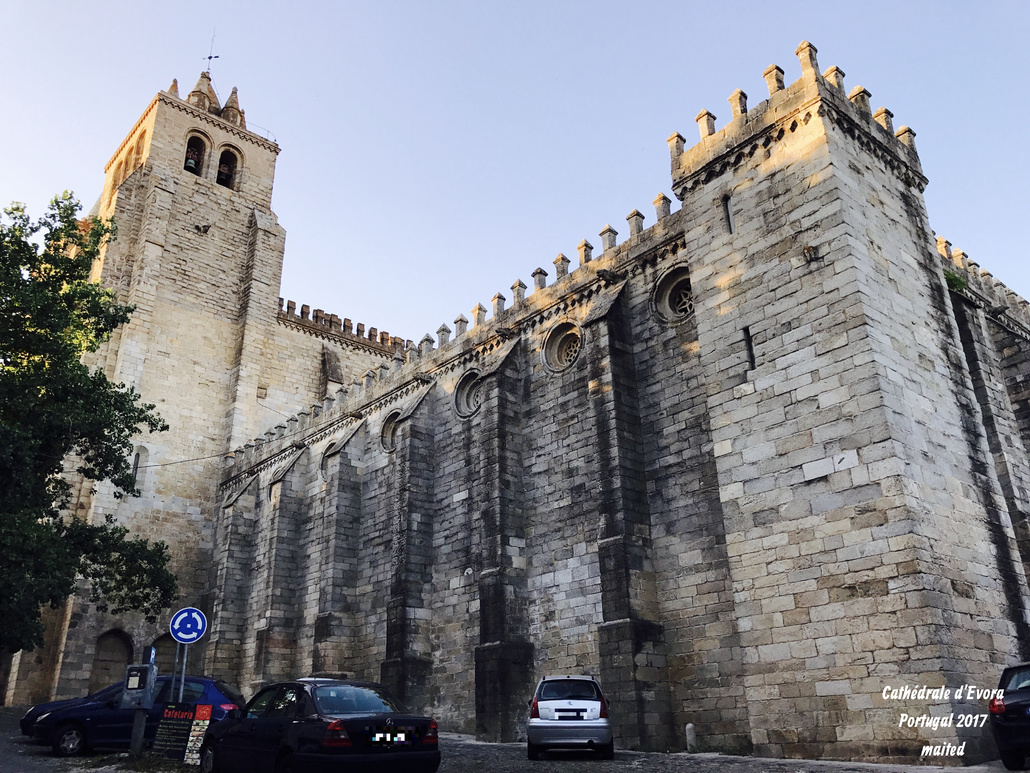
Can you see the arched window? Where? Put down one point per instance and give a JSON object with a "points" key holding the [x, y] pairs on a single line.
{"points": [[113, 654], [226, 168], [139, 467], [195, 150], [138, 158]]}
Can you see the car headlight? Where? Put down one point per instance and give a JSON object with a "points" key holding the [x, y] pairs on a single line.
{"points": [[41, 717]]}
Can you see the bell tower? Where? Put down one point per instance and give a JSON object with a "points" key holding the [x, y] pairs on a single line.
{"points": [[199, 255]]}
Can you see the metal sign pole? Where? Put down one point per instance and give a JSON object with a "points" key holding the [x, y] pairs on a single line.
{"points": [[182, 682]]}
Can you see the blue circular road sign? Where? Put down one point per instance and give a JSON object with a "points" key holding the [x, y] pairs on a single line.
{"points": [[188, 625]]}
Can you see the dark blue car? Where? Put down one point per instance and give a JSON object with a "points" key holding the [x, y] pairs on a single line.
{"points": [[322, 726], [35, 712], [98, 721]]}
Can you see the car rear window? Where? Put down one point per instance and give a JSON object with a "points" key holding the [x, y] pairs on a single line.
{"points": [[354, 699], [570, 689], [168, 691], [1017, 679]]}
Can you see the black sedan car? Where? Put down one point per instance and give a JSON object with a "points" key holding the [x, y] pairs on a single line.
{"points": [[98, 721], [1010, 716], [318, 726]]}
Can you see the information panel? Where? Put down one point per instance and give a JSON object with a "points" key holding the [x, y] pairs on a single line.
{"points": [[181, 731]]}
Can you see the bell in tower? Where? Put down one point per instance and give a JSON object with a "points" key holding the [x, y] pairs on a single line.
{"points": [[194, 155]]}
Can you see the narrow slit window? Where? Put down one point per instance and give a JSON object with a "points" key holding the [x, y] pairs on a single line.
{"points": [[226, 168], [727, 211], [750, 344], [139, 467]]}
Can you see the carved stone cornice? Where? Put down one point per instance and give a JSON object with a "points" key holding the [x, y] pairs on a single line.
{"points": [[863, 134], [331, 334], [214, 120]]}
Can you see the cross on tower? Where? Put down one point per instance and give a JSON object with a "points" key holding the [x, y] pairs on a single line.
{"points": [[210, 54]]}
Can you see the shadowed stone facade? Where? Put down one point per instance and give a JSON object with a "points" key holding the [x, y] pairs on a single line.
{"points": [[750, 466]]}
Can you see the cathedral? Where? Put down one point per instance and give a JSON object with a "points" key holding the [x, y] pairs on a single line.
{"points": [[756, 464]]}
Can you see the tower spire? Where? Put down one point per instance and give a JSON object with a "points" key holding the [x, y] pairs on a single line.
{"points": [[203, 94], [231, 112]]}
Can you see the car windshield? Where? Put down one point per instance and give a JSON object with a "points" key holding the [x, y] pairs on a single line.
{"points": [[1017, 679], [570, 689], [354, 699]]}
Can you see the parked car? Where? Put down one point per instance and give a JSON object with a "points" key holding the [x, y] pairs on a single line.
{"points": [[98, 721], [569, 712], [1010, 716], [35, 712], [322, 725]]}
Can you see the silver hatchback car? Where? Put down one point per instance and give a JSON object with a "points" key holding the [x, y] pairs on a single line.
{"points": [[569, 712]]}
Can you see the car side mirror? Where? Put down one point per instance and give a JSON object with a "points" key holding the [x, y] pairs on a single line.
{"points": [[234, 713], [114, 703]]}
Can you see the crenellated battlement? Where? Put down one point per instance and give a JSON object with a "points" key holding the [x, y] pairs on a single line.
{"points": [[415, 365], [978, 285], [487, 328], [785, 111], [318, 322]]}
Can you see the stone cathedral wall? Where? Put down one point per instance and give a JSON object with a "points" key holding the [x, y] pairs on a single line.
{"points": [[750, 466]]}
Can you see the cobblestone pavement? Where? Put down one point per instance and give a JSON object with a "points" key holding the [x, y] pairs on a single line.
{"points": [[17, 755], [463, 754]]}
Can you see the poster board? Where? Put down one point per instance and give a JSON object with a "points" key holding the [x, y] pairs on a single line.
{"points": [[181, 730]]}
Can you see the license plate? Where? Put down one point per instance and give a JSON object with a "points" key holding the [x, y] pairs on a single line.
{"points": [[391, 736]]}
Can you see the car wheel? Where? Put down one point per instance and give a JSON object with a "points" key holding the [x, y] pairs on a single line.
{"points": [[207, 759], [1012, 760], [69, 740], [532, 751], [284, 764], [608, 751]]}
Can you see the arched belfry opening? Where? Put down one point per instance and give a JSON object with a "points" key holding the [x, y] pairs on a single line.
{"points": [[227, 168], [195, 150]]}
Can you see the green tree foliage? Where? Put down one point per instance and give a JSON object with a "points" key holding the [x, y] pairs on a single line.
{"points": [[52, 407]]}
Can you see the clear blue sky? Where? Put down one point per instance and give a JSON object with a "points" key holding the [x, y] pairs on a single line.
{"points": [[433, 152]]}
